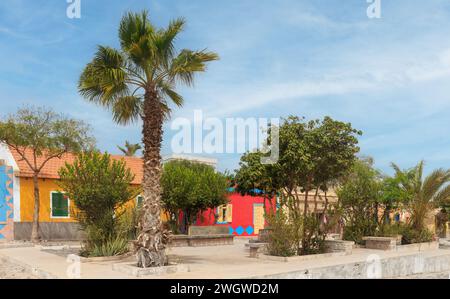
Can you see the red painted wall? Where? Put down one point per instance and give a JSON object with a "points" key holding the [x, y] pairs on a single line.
{"points": [[242, 215]]}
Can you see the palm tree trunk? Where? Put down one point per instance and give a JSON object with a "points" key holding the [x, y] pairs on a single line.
{"points": [[153, 238], [35, 226]]}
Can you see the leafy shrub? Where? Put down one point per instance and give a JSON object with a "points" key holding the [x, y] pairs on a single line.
{"points": [[411, 235], [314, 235], [191, 187], [359, 229], [128, 222], [389, 230], [99, 186], [283, 237]]}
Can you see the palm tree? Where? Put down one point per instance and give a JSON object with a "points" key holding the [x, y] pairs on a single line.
{"points": [[138, 81], [423, 194], [129, 149]]}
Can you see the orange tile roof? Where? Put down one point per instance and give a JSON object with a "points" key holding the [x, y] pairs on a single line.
{"points": [[51, 168]]}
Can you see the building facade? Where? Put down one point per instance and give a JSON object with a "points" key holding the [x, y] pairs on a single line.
{"points": [[243, 215]]}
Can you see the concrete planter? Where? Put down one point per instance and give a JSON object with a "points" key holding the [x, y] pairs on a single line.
{"points": [[105, 258], [381, 243], [333, 245], [132, 269], [391, 244], [299, 258]]}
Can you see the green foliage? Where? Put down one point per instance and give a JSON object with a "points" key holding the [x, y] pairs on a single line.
{"points": [[313, 155], [110, 247], [410, 235], [128, 222], [44, 132], [423, 194], [192, 188], [358, 198], [99, 187], [284, 236], [253, 174]]}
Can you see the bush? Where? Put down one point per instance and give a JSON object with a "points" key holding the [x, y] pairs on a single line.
{"points": [[411, 235], [283, 237], [313, 240], [389, 230], [128, 222], [99, 187], [112, 247], [360, 229]]}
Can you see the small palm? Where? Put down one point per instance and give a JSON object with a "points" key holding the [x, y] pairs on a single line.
{"points": [[129, 149]]}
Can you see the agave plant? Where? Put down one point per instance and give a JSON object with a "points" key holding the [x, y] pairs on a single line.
{"points": [[138, 82]]}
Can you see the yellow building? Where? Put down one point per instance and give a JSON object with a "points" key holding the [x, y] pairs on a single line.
{"points": [[56, 211]]}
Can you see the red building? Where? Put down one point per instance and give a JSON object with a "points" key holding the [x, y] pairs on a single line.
{"points": [[244, 215]]}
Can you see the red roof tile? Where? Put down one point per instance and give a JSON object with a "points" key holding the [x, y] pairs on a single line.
{"points": [[51, 168]]}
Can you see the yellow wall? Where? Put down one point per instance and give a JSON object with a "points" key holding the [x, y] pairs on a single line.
{"points": [[46, 186]]}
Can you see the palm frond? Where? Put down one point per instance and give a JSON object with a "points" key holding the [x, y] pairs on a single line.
{"points": [[133, 27], [433, 183], [164, 41], [187, 63], [127, 109], [105, 77], [168, 90], [442, 198]]}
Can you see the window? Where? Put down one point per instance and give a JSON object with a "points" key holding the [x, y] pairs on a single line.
{"points": [[225, 214], [139, 201], [59, 204]]}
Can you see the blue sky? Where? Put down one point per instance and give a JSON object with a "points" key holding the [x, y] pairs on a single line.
{"points": [[389, 77]]}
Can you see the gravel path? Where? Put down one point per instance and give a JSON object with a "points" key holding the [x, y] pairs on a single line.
{"points": [[12, 271]]}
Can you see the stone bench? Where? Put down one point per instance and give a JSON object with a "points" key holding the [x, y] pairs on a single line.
{"points": [[255, 249], [208, 230], [381, 243], [199, 241], [333, 245]]}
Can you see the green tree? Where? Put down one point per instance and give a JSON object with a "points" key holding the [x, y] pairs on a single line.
{"points": [[192, 188], [359, 195], [423, 194], [39, 135], [138, 81], [253, 175], [312, 156], [99, 187], [129, 149]]}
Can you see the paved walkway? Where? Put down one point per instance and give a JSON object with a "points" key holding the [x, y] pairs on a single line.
{"points": [[204, 262]]}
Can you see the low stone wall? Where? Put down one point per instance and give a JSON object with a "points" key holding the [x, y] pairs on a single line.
{"points": [[208, 230], [390, 267], [418, 247], [301, 258], [199, 241], [49, 231], [333, 245]]}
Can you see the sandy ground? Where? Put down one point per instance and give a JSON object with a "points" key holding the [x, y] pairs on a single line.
{"points": [[12, 271]]}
